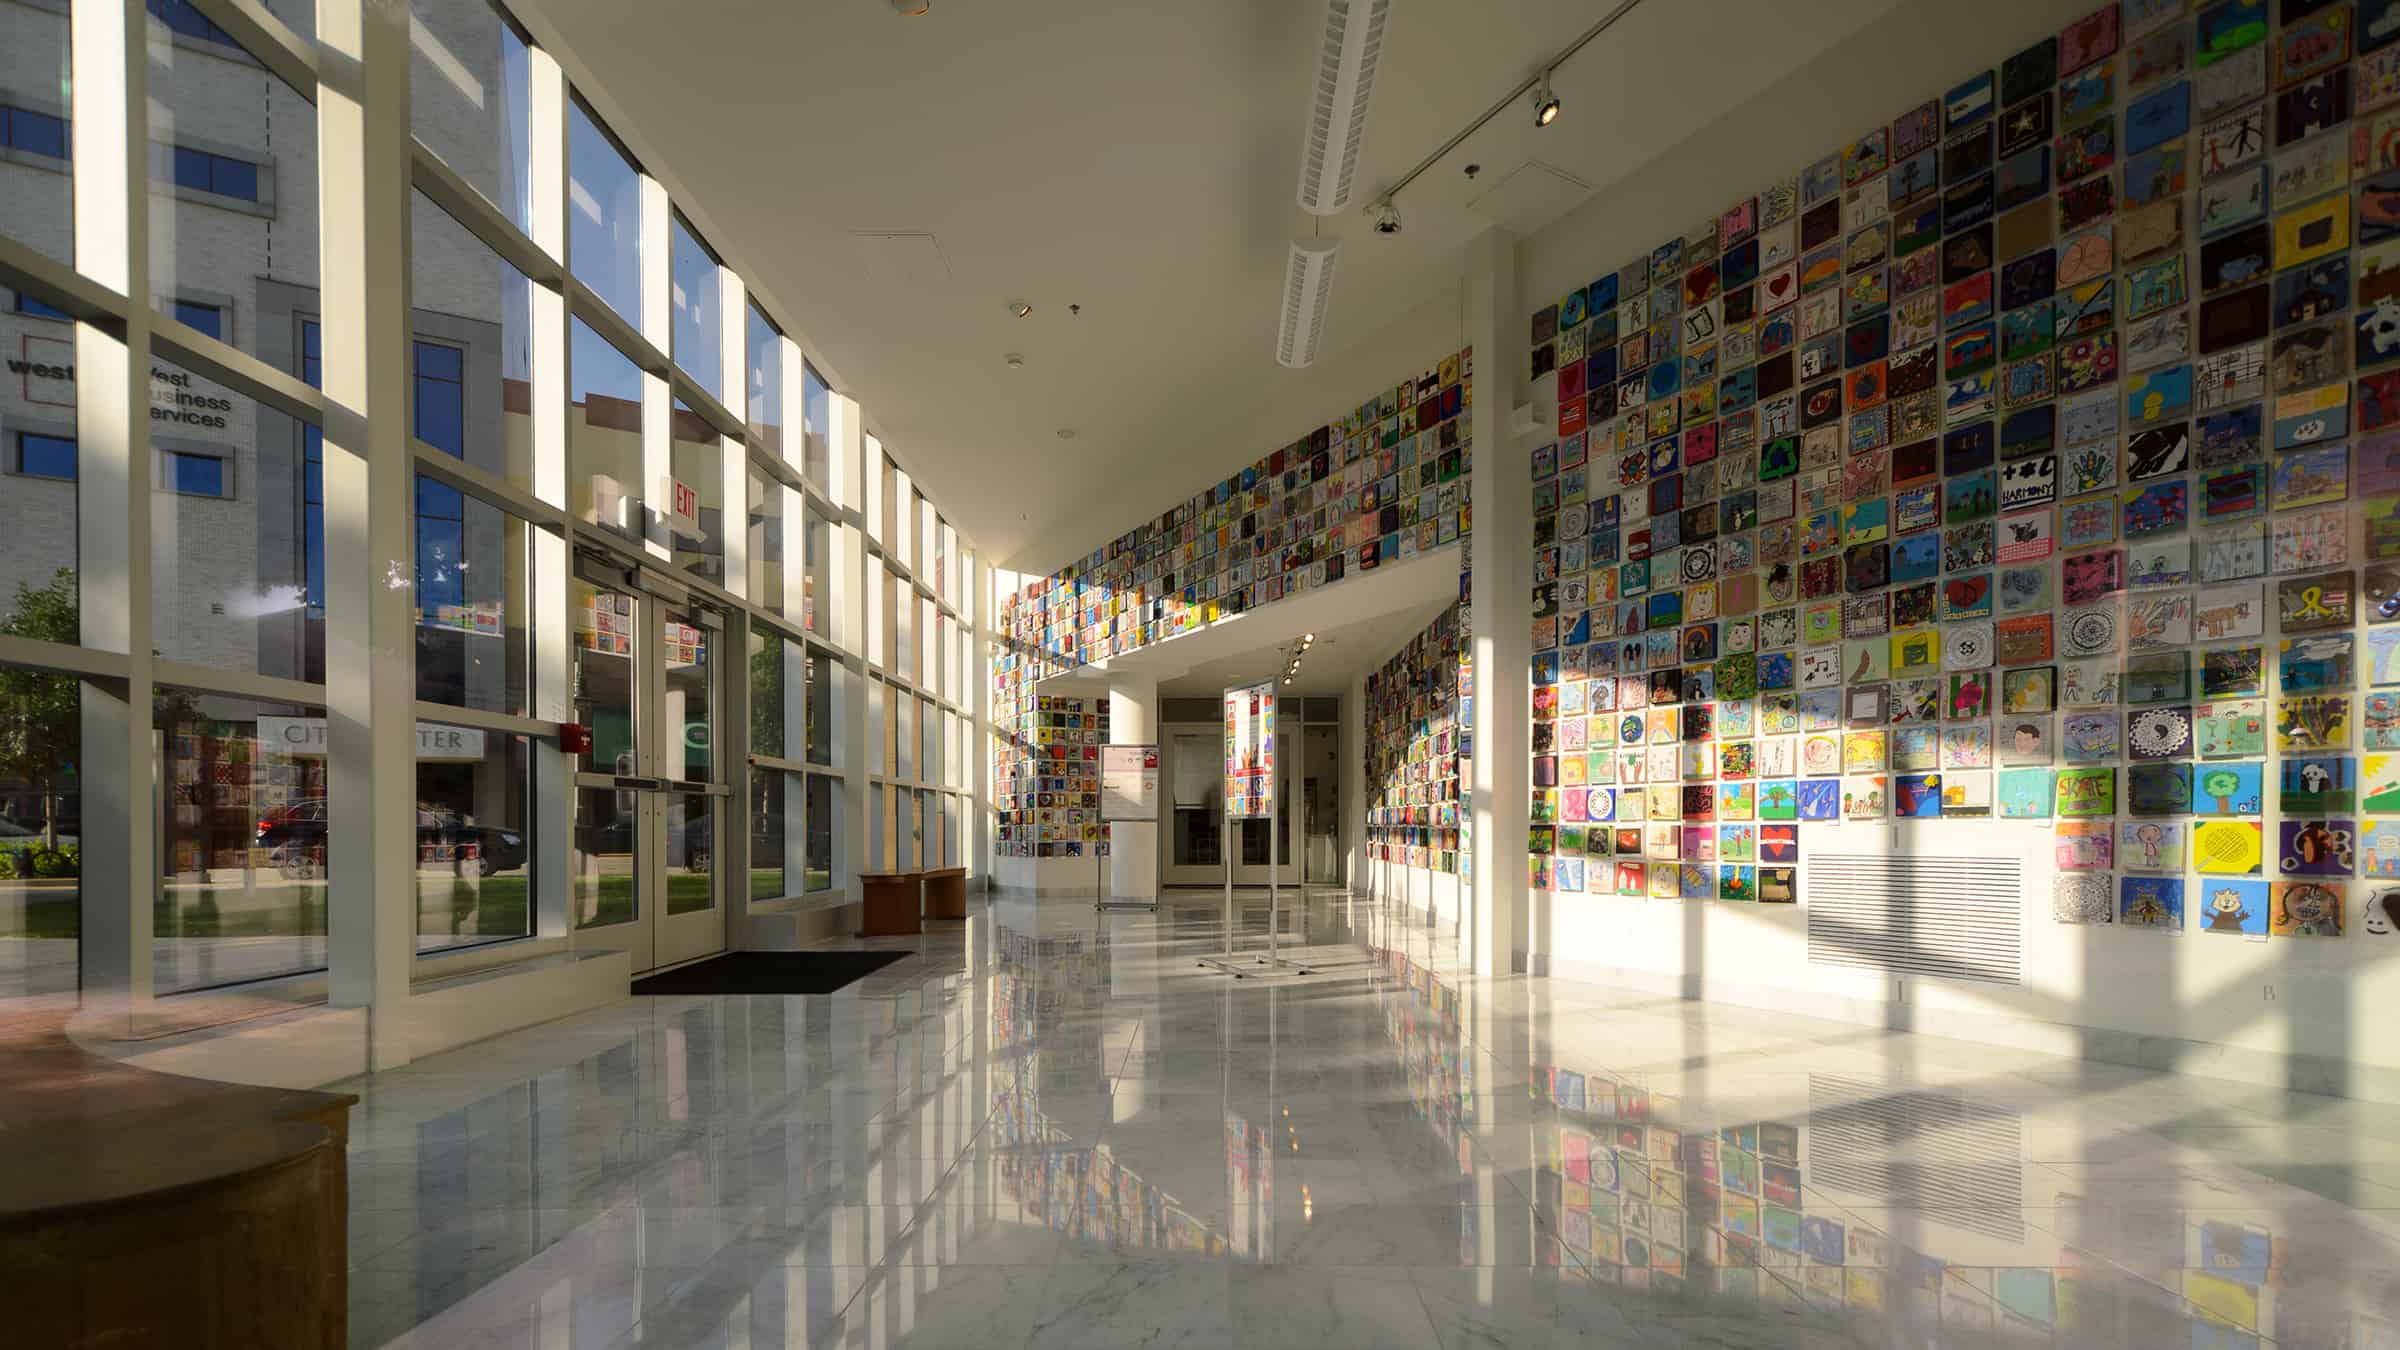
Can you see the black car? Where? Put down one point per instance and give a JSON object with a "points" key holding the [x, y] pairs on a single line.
{"points": [[443, 837]]}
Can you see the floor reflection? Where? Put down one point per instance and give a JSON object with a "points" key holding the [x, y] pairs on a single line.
{"points": [[1052, 1127]]}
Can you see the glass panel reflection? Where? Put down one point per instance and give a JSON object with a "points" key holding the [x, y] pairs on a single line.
{"points": [[41, 823], [606, 855], [242, 840], [604, 677], [474, 853], [691, 851]]}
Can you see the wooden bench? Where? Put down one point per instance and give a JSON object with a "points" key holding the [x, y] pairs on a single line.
{"points": [[149, 1209], [892, 904], [946, 893]]}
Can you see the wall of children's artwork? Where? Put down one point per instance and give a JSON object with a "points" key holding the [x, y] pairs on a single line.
{"points": [[1053, 787], [2032, 460], [1383, 482], [1416, 743]]}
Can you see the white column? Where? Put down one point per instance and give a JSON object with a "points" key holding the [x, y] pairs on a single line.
{"points": [[1132, 847], [1501, 491], [978, 700], [553, 627], [370, 644], [847, 612], [1353, 780], [112, 247]]}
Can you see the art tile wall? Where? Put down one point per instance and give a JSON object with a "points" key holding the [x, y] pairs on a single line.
{"points": [[1416, 743], [1384, 481], [2033, 459]]}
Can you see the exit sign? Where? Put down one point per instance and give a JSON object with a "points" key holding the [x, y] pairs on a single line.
{"points": [[683, 507]]}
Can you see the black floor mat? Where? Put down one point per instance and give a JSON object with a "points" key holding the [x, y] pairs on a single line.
{"points": [[767, 973]]}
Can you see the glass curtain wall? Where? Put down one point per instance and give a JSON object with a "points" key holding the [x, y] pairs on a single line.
{"points": [[584, 374]]}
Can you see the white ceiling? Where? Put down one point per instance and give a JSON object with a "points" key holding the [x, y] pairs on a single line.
{"points": [[1139, 160]]}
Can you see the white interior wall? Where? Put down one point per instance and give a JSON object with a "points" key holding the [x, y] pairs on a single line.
{"points": [[2292, 1011], [1916, 52]]}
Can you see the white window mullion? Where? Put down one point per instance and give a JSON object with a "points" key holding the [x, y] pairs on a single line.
{"points": [[733, 455], [370, 626], [552, 626], [110, 47]]}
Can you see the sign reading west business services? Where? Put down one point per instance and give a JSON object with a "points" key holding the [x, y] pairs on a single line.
{"points": [[177, 397], [1250, 751]]}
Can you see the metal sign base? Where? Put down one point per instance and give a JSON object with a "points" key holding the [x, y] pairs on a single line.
{"points": [[1243, 967], [1273, 963]]}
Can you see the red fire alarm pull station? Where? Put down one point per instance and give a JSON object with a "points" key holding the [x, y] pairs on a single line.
{"points": [[575, 738]]}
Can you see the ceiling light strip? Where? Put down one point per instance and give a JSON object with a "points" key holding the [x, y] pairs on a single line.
{"points": [[1307, 291], [1351, 47]]}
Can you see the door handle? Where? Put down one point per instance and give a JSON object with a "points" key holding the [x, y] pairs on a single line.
{"points": [[629, 782]]}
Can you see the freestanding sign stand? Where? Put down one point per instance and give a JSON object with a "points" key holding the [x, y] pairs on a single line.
{"points": [[1128, 793], [1250, 792]]}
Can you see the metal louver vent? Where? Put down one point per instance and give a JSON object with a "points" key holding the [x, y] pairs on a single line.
{"points": [[1960, 1162], [1307, 290], [1349, 48], [1956, 918]]}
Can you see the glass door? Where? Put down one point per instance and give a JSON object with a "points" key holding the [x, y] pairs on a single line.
{"points": [[691, 920], [648, 792], [1194, 763]]}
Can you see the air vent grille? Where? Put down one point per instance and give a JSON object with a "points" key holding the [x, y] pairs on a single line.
{"points": [[1910, 914], [1958, 1161]]}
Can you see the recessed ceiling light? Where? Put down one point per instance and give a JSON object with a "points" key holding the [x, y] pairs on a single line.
{"points": [[911, 8], [1018, 309]]}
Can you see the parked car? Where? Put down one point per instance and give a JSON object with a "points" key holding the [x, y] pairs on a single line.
{"points": [[443, 835], [616, 837]]}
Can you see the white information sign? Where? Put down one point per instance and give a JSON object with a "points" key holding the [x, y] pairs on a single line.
{"points": [[1129, 782]]}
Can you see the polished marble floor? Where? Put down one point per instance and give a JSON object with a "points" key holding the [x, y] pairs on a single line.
{"points": [[1055, 1128]]}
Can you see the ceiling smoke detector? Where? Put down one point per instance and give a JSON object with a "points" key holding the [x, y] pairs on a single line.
{"points": [[1014, 360], [1066, 433]]}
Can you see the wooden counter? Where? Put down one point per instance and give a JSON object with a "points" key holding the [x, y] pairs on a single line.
{"points": [[891, 904], [946, 893], [149, 1209]]}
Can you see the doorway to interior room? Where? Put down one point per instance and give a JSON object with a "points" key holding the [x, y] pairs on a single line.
{"points": [[1192, 759]]}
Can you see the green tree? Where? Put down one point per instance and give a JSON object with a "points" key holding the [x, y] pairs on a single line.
{"points": [[41, 714], [766, 699]]}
